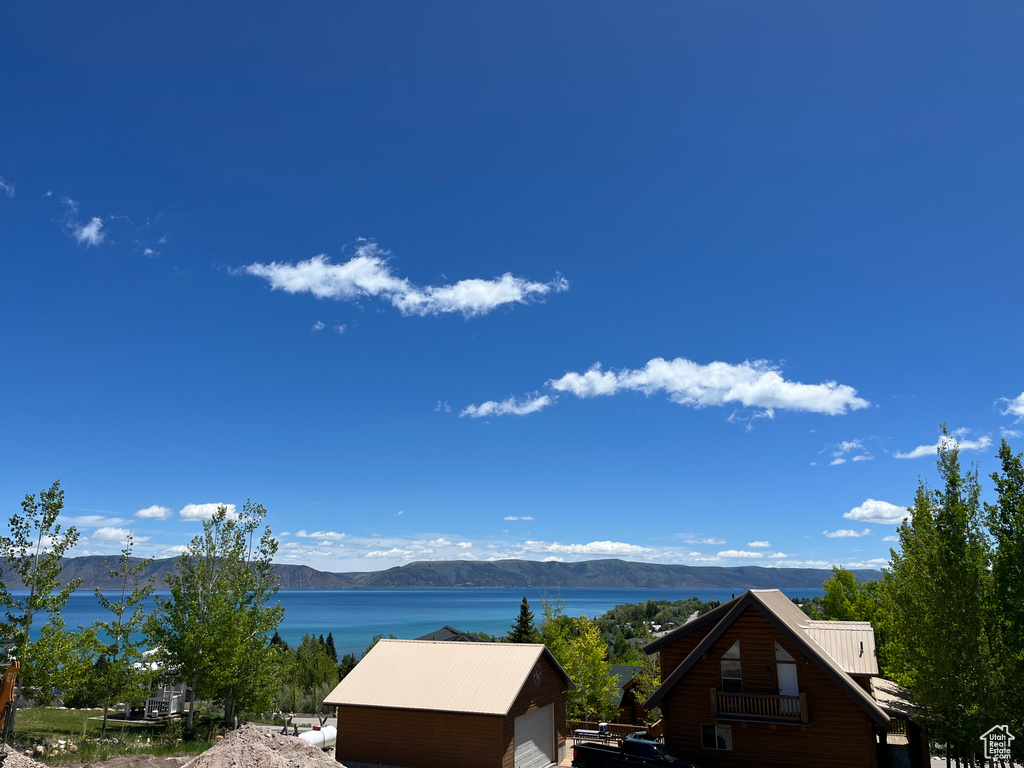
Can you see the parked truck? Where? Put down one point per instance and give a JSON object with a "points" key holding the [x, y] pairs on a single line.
{"points": [[631, 752]]}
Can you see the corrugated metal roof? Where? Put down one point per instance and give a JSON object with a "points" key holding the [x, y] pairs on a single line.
{"points": [[478, 678], [850, 643]]}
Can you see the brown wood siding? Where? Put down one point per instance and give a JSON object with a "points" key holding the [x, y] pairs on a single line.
{"points": [[671, 656], [550, 691], [839, 734], [418, 739]]}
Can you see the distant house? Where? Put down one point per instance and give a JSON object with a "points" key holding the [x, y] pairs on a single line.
{"points": [[422, 704], [167, 695], [450, 634], [756, 682], [631, 710]]}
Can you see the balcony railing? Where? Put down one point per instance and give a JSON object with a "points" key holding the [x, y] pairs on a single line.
{"points": [[758, 706]]}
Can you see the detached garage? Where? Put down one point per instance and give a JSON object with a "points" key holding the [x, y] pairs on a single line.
{"points": [[425, 704]]}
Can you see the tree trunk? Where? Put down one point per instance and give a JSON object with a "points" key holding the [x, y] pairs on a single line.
{"points": [[190, 724]]}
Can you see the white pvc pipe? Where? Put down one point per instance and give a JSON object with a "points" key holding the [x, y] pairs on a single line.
{"points": [[322, 738]]}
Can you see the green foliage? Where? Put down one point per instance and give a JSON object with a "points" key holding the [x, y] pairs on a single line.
{"points": [[315, 672], [648, 679], [846, 599], [376, 639], [1006, 615], [523, 630], [933, 608], [578, 647], [32, 553], [118, 678], [213, 627]]}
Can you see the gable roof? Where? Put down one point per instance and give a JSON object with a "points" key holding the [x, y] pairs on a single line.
{"points": [[476, 678], [794, 624], [448, 633]]}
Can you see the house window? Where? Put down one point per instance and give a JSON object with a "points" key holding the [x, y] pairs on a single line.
{"points": [[716, 736], [732, 675], [781, 654]]}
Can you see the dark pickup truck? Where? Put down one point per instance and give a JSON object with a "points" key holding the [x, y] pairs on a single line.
{"points": [[633, 752]]}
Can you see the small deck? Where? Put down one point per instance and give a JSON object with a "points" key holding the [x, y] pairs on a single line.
{"points": [[759, 707]]}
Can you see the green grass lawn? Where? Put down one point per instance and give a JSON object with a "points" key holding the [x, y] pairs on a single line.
{"points": [[81, 727]]}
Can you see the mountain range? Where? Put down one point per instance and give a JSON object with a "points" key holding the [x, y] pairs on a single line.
{"points": [[518, 574]]}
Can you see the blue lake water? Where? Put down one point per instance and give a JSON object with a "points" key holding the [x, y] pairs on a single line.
{"points": [[354, 616]]}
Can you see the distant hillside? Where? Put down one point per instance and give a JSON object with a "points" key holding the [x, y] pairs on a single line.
{"points": [[518, 574]]}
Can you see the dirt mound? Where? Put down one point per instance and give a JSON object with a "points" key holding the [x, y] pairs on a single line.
{"points": [[14, 759], [254, 747]]}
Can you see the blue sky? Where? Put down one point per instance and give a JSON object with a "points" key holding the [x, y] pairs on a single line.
{"points": [[680, 282]]}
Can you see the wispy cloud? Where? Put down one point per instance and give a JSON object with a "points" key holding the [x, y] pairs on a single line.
{"points": [[874, 511], [519, 517], [89, 521], [155, 512], [981, 444], [326, 535], [842, 450], [90, 233], [318, 326], [368, 274], [1013, 406], [756, 384], [205, 511], [511, 406], [6, 188], [706, 540], [846, 533], [758, 544]]}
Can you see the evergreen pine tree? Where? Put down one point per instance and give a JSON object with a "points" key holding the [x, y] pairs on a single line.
{"points": [[523, 630], [331, 650]]}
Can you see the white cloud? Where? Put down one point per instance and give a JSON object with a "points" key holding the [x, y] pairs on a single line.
{"points": [[1014, 406], [331, 535], [394, 552], [464, 544], [293, 551], [6, 188], [318, 326], [91, 233], [758, 544], [519, 517], [708, 540], [740, 553], [844, 447], [116, 534], [756, 384], [981, 444], [511, 406], [368, 274], [1010, 432], [882, 512], [863, 457], [593, 548], [174, 551], [340, 328], [206, 511], [442, 407], [891, 538], [802, 564], [837, 461], [778, 555], [846, 533], [150, 252], [155, 512], [874, 563]]}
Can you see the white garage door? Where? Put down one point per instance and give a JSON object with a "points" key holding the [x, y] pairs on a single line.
{"points": [[535, 738]]}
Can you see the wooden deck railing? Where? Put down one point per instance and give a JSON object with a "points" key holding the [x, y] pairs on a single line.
{"points": [[758, 706]]}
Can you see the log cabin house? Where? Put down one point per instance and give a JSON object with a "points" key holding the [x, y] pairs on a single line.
{"points": [[757, 682]]}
